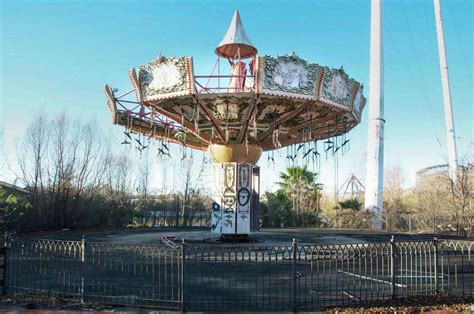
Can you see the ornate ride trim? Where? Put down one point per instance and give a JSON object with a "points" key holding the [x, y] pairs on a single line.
{"points": [[190, 75], [336, 81], [184, 86], [358, 113], [260, 68], [297, 76], [134, 78], [111, 103]]}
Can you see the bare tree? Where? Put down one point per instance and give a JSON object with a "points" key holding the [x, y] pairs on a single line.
{"points": [[191, 172], [395, 208], [444, 205], [66, 164], [144, 177], [460, 196], [32, 160]]}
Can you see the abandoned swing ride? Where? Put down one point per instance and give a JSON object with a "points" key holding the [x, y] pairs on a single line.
{"points": [[265, 103]]}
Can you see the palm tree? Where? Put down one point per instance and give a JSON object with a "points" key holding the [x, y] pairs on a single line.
{"points": [[300, 185], [351, 203]]}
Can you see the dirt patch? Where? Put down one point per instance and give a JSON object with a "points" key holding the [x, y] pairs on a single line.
{"points": [[44, 301], [441, 303]]}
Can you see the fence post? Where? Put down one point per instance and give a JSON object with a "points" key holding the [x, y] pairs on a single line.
{"points": [[393, 268], [183, 276], [294, 249], [83, 269], [4, 251], [436, 257]]}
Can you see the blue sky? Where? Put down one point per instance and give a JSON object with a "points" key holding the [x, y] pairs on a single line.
{"points": [[57, 55]]}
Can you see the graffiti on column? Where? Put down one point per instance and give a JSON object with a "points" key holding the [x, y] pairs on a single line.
{"points": [[244, 186], [232, 198], [243, 197], [228, 220], [216, 195], [216, 215], [244, 175], [229, 198], [243, 194], [229, 175]]}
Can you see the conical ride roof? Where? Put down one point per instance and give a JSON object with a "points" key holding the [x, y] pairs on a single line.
{"points": [[234, 39]]}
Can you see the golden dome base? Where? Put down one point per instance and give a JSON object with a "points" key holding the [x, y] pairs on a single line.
{"points": [[240, 153]]}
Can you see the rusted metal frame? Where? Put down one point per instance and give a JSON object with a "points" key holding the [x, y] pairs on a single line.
{"points": [[251, 79], [336, 130], [253, 107], [177, 120], [141, 113], [125, 108], [276, 124], [216, 88], [171, 139], [210, 90], [125, 94], [138, 105], [159, 118], [136, 128], [348, 125], [211, 118], [127, 101], [202, 87], [222, 76], [209, 77], [131, 112], [314, 123], [290, 139], [164, 119]]}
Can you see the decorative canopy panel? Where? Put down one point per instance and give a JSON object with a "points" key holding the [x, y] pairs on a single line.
{"points": [[289, 76], [290, 101], [163, 78]]}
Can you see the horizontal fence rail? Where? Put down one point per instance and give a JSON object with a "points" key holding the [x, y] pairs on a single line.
{"points": [[220, 277], [117, 274]]}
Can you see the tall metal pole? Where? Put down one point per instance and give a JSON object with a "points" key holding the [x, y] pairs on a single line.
{"points": [[448, 110], [336, 180], [374, 168]]}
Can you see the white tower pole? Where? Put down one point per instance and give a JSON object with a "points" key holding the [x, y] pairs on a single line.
{"points": [[448, 110], [374, 169]]}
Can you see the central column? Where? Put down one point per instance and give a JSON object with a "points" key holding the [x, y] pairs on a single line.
{"points": [[236, 184], [376, 121]]}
